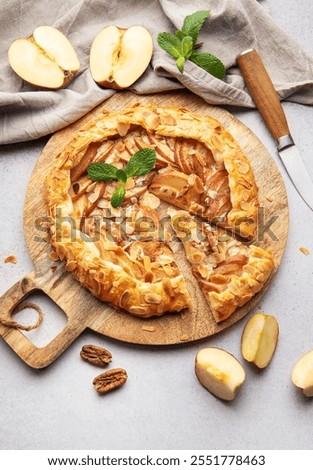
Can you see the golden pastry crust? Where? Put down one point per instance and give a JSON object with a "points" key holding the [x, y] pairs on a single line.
{"points": [[228, 271], [199, 166], [140, 277]]}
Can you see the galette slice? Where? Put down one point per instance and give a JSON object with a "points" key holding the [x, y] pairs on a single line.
{"points": [[228, 271]]}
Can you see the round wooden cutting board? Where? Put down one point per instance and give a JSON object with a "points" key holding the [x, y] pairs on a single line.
{"points": [[81, 307]]}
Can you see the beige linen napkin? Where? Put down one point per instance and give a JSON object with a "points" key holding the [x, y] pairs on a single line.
{"points": [[27, 113]]}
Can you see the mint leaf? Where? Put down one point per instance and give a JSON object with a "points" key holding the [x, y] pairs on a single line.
{"points": [[180, 62], [121, 176], [170, 43], [140, 163], [180, 35], [193, 24], [101, 171], [118, 196], [186, 46], [209, 63]]}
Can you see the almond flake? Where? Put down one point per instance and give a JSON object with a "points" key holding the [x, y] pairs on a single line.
{"points": [[153, 121], [153, 298], [91, 187], [191, 179], [148, 328], [163, 170], [103, 204], [122, 128], [120, 147], [164, 259], [124, 298], [168, 120], [53, 256], [223, 238], [212, 194], [93, 196], [304, 250], [168, 270], [110, 124], [203, 270], [216, 141], [243, 168], [129, 229], [150, 200], [138, 310], [71, 265], [130, 183], [10, 259]]}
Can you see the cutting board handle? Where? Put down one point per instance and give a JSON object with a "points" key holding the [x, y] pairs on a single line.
{"points": [[10, 303]]}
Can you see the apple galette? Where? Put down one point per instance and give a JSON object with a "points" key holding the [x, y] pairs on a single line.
{"points": [[123, 255]]}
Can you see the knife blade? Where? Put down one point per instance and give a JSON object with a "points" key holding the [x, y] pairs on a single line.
{"points": [[266, 100]]}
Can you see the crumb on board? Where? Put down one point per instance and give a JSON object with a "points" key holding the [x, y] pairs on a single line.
{"points": [[184, 338], [183, 315], [304, 250], [269, 198], [10, 259], [148, 328]]}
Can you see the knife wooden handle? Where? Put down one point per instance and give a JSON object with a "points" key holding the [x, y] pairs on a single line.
{"points": [[263, 93]]}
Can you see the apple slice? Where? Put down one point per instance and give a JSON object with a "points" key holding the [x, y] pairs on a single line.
{"points": [[118, 57], [259, 339], [219, 372], [46, 59], [302, 374]]}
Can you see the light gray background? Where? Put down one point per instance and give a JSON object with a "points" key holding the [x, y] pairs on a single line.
{"points": [[162, 406]]}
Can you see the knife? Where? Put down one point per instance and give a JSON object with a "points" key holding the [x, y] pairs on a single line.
{"points": [[266, 99]]}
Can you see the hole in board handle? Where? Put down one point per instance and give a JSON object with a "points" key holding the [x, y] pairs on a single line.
{"points": [[54, 319]]}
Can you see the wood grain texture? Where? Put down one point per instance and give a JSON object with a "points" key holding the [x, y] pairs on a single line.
{"points": [[263, 93], [81, 307]]}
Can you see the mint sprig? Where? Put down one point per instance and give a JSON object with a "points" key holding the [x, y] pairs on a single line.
{"points": [[138, 165], [183, 46]]}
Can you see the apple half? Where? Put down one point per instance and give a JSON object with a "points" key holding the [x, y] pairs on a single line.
{"points": [[219, 372], [118, 56], [302, 374], [46, 59], [259, 339]]}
